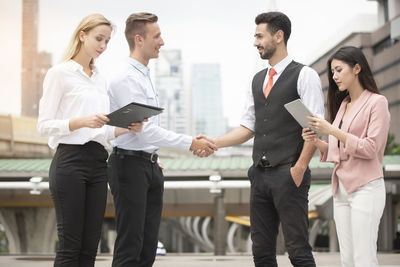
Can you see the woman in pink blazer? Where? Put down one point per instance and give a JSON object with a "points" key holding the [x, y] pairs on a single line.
{"points": [[360, 122]]}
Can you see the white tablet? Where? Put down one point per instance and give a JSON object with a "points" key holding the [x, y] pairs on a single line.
{"points": [[300, 112]]}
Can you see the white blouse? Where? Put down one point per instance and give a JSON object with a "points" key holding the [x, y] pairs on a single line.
{"points": [[68, 92]]}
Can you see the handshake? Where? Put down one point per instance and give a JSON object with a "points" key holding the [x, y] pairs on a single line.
{"points": [[203, 146]]}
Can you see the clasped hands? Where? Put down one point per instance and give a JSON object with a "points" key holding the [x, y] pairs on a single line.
{"points": [[203, 146]]}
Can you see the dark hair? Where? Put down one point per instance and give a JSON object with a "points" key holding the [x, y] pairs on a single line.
{"points": [[276, 21], [351, 56], [136, 24]]}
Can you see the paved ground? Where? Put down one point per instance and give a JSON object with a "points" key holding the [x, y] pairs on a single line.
{"points": [[193, 260]]}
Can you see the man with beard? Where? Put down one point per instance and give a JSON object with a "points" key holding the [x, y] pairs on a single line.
{"points": [[280, 177]]}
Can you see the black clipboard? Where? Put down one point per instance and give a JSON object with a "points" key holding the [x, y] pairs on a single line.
{"points": [[133, 112]]}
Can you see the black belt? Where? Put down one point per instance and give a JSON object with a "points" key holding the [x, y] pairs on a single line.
{"points": [[152, 157], [264, 163]]}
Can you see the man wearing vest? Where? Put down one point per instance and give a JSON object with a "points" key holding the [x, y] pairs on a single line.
{"points": [[280, 177]]}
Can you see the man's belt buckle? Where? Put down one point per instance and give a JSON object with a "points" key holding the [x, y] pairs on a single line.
{"points": [[264, 162], [153, 158]]}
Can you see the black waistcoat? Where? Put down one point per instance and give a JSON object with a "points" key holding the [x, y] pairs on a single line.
{"points": [[277, 135]]}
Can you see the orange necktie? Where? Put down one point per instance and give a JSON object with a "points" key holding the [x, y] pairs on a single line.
{"points": [[268, 87]]}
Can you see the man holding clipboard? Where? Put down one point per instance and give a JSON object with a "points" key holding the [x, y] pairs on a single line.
{"points": [[136, 180]]}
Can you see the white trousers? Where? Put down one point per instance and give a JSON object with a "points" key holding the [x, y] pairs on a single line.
{"points": [[357, 218]]}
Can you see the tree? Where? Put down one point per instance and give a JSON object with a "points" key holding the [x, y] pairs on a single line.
{"points": [[392, 148]]}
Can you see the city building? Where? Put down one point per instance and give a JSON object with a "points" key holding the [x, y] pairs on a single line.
{"points": [[30, 96], [171, 93], [382, 49], [44, 63], [207, 100]]}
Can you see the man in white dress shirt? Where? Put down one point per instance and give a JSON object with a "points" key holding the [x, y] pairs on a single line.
{"points": [[136, 179], [279, 176]]}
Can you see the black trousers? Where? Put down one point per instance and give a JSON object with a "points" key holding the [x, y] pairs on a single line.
{"points": [[78, 185], [137, 186], [275, 198]]}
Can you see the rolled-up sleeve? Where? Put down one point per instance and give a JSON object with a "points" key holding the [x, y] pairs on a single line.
{"points": [[310, 91], [248, 116]]}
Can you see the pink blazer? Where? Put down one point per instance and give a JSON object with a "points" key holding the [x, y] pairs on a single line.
{"points": [[359, 160]]}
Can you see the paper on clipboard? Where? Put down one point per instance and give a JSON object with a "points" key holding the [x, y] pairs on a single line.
{"points": [[299, 112]]}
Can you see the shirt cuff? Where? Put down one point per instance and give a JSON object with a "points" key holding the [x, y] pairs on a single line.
{"points": [[64, 127], [110, 132], [186, 142], [248, 125], [350, 147]]}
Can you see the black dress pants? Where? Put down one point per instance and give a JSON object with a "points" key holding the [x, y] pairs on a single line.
{"points": [[275, 198], [137, 186], [78, 185]]}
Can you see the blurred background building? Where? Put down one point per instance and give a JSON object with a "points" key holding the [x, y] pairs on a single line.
{"points": [[29, 88], [207, 100], [382, 49], [171, 93]]}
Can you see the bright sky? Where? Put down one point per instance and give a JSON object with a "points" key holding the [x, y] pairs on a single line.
{"points": [[207, 31]]}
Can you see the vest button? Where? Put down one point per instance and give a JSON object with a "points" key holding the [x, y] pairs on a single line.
{"points": [[265, 119], [264, 135]]}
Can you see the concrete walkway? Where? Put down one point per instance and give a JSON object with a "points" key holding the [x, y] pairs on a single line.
{"points": [[194, 260]]}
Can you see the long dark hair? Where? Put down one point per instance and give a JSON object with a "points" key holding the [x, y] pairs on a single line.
{"points": [[351, 56]]}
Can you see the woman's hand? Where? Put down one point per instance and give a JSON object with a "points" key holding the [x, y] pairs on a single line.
{"points": [[91, 121], [320, 125], [309, 136]]}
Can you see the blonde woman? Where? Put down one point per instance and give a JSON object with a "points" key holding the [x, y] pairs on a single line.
{"points": [[72, 113]]}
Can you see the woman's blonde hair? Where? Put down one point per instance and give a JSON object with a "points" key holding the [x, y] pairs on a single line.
{"points": [[86, 25]]}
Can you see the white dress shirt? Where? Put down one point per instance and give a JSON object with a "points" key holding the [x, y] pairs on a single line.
{"points": [[134, 85], [68, 92], [308, 87]]}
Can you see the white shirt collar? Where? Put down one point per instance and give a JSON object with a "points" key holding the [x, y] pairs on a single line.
{"points": [[139, 66], [74, 66], [281, 65]]}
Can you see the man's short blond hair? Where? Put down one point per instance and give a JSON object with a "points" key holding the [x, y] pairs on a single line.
{"points": [[136, 24]]}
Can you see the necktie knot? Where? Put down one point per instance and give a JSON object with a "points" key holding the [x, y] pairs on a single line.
{"points": [[272, 72]]}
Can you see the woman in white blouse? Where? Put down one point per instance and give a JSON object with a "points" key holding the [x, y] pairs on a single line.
{"points": [[72, 113]]}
